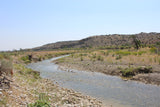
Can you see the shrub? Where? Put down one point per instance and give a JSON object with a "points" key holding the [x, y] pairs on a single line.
{"points": [[147, 69], [72, 55], [100, 58], [153, 50], [81, 58], [50, 55], [94, 55], [127, 72], [83, 54], [6, 67], [118, 57], [1, 56], [6, 56], [155, 59], [41, 102], [25, 59]]}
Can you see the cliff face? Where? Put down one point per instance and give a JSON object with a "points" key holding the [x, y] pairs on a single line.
{"points": [[104, 40]]}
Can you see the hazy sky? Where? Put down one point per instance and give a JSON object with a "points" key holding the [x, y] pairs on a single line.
{"points": [[31, 23]]}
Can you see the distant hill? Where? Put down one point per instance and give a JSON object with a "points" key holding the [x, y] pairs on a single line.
{"points": [[103, 41]]}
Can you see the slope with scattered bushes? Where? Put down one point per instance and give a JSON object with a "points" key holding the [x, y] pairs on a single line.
{"points": [[105, 41]]}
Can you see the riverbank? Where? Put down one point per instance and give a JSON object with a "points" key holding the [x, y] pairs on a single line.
{"points": [[27, 88], [138, 67]]}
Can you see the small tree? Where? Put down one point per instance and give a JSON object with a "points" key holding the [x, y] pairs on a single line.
{"points": [[136, 42], [158, 47]]}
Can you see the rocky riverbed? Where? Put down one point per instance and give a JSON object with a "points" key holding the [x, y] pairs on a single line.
{"points": [[25, 89]]}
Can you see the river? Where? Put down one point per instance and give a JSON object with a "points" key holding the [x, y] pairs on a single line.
{"points": [[111, 90]]}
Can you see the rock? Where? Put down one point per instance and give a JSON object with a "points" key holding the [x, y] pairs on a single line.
{"points": [[9, 92]]}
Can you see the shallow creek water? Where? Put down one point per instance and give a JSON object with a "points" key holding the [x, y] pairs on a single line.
{"points": [[111, 90]]}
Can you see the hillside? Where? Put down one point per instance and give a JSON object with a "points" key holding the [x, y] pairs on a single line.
{"points": [[104, 40]]}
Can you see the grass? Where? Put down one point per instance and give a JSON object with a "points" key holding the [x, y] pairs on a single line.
{"points": [[25, 59], [43, 101], [142, 56], [23, 71], [129, 72]]}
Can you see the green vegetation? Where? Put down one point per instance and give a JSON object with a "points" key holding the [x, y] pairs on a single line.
{"points": [[100, 58], [25, 59], [129, 72], [118, 57], [26, 71], [81, 58], [125, 53], [153, 50], [43, 101], [6, 56], [61, 60], [136, 41]]}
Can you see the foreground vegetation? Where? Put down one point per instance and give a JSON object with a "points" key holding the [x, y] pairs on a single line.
{"points": [[25, 87]]}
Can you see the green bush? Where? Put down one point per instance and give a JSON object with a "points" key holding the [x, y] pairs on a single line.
{"points": [[147, 69], [25, 59], [81, 58], [72, 55], [48, 56], [41, 102], [1, 56], [118, 57], [153, 50], [94, 55], [5, 56], [129, 72], [100, 58]]}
